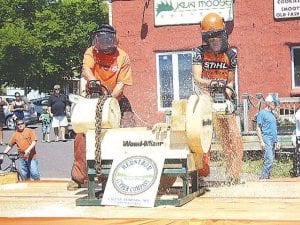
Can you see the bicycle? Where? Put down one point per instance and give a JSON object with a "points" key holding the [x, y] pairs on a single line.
{"points": [[13, 157]]}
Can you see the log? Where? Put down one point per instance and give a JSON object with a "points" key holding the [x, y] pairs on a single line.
{"points": [[199, 127], [84, 112]]}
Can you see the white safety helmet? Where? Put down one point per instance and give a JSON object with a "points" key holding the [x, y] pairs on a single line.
{"points": [[271, 98]]}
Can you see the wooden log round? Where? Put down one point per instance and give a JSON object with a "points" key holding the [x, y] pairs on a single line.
{"points": [[84, 111], [199, 127]]}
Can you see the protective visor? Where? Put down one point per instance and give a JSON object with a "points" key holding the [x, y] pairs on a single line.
{"points": [[212, 34], [106, 42]]}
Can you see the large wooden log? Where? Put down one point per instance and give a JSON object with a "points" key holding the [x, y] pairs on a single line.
{"points": [[199, 123], [178, 124], [84, 112]]}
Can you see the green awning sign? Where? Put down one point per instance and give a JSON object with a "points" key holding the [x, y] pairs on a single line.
{"points": [[178, 12]]}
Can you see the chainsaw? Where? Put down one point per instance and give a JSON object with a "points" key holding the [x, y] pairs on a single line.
{"points": [[222, 103], [94, 89]]}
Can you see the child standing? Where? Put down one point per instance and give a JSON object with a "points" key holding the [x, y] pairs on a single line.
{"points": [[46, 124]]}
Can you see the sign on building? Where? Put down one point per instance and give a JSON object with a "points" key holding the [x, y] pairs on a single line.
{"points": [[178, 12], [286, 9]]}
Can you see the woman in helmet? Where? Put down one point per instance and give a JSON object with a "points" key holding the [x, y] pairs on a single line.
{"points": [[214, 59]]}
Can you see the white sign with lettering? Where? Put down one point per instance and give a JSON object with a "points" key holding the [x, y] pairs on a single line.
{"points": [[286, 9], [177, 12], [134, 178]]}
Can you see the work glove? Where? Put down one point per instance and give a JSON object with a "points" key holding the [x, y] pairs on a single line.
{"points": [[27, 152]]}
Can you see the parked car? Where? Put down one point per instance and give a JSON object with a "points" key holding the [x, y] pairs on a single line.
{"points": [[38, 103], [30, 116]]}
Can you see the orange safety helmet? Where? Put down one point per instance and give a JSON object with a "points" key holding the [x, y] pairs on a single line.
{"points": [[212, 22], [213, 25]]}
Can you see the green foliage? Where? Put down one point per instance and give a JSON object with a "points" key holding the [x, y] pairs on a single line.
{"points": [[280, 168], [43, 41]]}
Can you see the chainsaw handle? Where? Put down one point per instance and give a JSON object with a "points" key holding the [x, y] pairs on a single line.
{"points": [[233, 92], [95, 87]]}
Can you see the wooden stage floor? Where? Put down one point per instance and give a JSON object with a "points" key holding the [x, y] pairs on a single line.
{"points": [[49, 202]]}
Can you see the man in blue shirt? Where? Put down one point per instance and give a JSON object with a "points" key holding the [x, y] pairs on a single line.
{"points": [[267, 134]]}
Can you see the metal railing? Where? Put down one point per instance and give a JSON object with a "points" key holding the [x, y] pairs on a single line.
{"points": [[251, 105]]}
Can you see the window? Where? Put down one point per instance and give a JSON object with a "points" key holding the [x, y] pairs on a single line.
{"points": [[174, 77], [295, 51]]}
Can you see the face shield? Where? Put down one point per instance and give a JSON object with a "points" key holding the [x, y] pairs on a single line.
{"points": [[216, 40], [105, 42]]}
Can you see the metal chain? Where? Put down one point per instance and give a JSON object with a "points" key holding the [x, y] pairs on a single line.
{"points": [[99, 134]]}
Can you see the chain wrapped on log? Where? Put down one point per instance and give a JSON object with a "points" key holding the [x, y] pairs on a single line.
{"points": [[99, 133]]}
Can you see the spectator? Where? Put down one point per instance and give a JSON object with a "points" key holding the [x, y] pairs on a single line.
{"points": [[25, 139], [297, 118], [267, 135], [3, 102], [295, 171], [57, 109], [46, 124], [18, 106]]}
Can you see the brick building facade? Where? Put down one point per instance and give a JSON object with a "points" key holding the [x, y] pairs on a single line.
{"points": [[268, 53]]}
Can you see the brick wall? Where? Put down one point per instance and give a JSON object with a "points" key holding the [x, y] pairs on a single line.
{"points": [[262, 43]]}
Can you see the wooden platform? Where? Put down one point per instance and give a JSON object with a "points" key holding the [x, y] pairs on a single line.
{"points": [[49, 202], [8, 177]]}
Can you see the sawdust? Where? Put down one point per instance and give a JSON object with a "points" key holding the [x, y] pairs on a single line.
{"points": [[230, 138]]}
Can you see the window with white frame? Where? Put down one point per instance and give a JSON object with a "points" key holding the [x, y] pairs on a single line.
{"points": [[174, 79], [295, 52]]}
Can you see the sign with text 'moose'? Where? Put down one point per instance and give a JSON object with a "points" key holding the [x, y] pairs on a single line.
{"points": [[179, 12], [134, 179]]}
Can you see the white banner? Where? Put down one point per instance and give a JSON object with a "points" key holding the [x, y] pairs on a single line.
{"points": [[177, 12], [286, 9], [134, 178]]}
